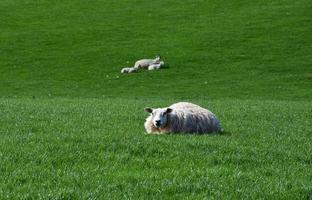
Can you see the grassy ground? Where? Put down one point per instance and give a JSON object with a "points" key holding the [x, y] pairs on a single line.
{"points": [[238, 49], [95, 148], [71, 125]]}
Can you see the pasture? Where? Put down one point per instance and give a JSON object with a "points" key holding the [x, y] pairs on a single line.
{"points": [[71, 125]]}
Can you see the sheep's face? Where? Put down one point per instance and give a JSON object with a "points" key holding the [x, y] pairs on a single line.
{"points": [[159, 116], [157, 59]]}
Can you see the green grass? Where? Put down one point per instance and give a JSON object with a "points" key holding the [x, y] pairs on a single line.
{"points": [[96, 148], [239, 49], [71, 125]]}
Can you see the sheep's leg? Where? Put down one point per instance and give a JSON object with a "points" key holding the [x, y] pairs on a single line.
{"points": [[154, 66], [129, 70], [149, 127]]}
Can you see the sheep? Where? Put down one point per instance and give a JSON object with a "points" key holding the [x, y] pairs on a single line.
{"points": [[150, 64], [182, 117], [144, 63]]}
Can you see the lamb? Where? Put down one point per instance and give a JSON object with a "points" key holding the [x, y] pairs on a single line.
{"points": [[150, 64], [182, 117]]}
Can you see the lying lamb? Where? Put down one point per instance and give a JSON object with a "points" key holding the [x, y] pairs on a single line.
{"points": [[150, 64], [181, 117]]}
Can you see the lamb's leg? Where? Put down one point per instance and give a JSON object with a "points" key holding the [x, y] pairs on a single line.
{"points": [[129, 70], [154, 66]]}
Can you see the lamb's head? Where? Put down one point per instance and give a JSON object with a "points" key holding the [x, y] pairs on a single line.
{"points": [[157, 58], [159, 116]]}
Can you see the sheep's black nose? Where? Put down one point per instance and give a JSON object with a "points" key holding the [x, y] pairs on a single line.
{"points": [[157, 122]]}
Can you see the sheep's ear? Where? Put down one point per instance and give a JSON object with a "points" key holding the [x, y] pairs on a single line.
{"points": [[149, 110], [169, 110]]}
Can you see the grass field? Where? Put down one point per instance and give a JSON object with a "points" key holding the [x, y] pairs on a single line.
{"points": [[71, 125]]}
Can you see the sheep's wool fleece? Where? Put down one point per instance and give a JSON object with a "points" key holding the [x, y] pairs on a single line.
{"points": [[187, 118]]}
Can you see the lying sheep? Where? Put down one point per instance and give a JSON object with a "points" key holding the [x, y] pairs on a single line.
{"points": [[150, 64], [181, 117]]}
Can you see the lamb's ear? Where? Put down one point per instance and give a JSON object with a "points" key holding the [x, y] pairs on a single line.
{"points": [[169, 110], [149, 110]]}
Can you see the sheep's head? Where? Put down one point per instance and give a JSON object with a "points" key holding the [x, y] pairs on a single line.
{"points": [[157, 58], [159, 116]]}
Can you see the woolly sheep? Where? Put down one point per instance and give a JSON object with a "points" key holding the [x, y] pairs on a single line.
{"points": [[182, 117], [150, 64]]}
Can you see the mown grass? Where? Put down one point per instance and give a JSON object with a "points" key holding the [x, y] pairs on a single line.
{"points": [[71, 125], [97, 148], [241, 49]]}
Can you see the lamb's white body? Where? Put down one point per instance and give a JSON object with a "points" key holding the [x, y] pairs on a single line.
{"points": [[183, 117], [156, 65], [150, 64]]}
